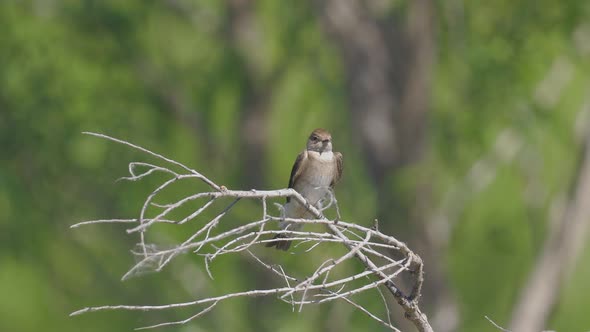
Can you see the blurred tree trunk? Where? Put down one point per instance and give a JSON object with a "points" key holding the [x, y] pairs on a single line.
{"points": [[560, 251], [389, 67], [245, 38]]}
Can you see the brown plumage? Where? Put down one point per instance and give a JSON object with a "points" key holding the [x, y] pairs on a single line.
{"points": [[316, 169]]}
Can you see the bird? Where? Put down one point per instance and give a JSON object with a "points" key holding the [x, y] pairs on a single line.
{"points": [[315, 172]]}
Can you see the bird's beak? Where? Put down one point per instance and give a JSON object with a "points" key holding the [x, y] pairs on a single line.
{"points": [[324, 144]]}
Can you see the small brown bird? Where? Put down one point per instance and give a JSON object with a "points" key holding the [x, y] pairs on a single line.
{"points": [[316, 170]]}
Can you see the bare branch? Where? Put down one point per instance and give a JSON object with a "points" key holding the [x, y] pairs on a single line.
{"points": [[365, 244], [200, 313], [496, 325]]}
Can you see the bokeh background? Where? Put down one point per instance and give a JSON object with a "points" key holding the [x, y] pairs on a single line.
{"points": [[463, 124]]}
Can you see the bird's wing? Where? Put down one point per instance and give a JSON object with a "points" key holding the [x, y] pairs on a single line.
{"points": [[339, 168], [297, 169]]}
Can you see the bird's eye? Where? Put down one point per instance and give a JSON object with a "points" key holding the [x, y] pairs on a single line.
{"points": [[314, 138]]}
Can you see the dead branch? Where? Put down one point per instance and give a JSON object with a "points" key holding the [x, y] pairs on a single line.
{"points": [[367, 245]]}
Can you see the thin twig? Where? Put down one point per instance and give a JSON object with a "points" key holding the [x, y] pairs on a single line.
{"points": [[496, 325]]}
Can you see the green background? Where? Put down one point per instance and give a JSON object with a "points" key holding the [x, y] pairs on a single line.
{"points": [[173, 77]]}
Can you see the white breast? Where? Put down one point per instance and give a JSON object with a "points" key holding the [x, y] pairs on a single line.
{"points": [[315, 181]]}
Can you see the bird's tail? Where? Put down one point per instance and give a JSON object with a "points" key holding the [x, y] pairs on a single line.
{"points": [[280, 242]]}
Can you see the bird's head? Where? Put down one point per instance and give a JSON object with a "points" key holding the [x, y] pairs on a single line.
{"points": [[320, 141]]}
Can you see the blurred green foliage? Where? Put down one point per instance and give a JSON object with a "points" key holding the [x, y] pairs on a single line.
{"points": [[171, 78]]}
